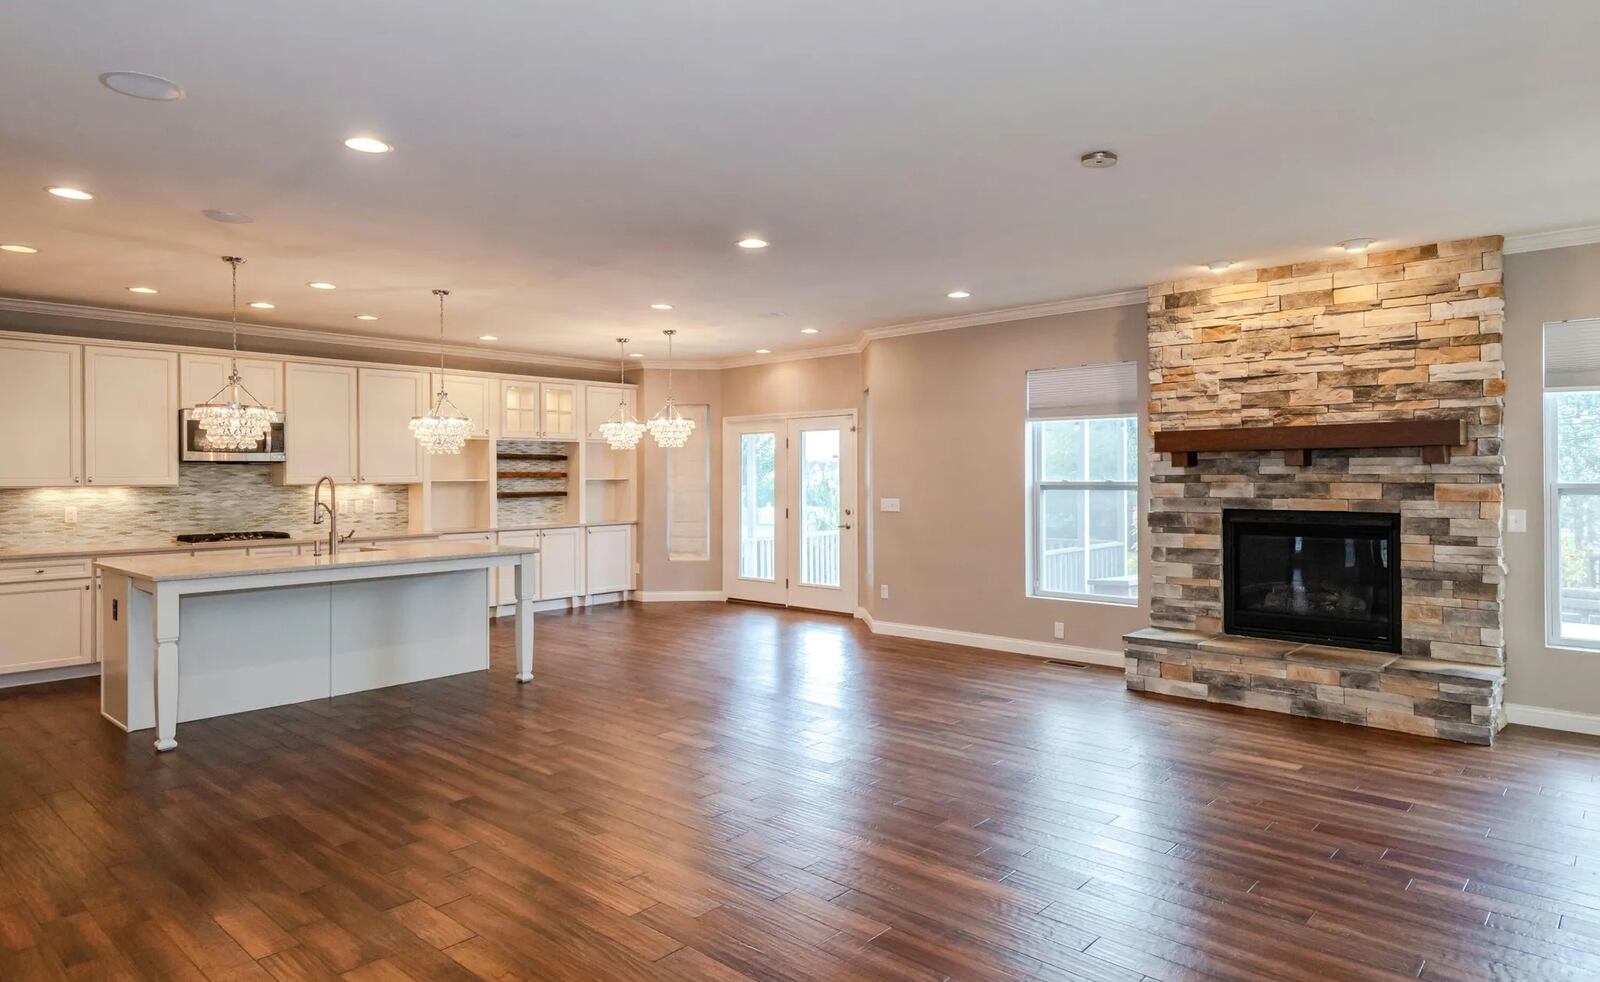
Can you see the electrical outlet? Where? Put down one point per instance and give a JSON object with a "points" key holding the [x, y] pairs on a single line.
{"points": [[344, 507], [888, 504], [361, 506], [1516, 520], [1061, 630], [883, 591], [71, 515]]}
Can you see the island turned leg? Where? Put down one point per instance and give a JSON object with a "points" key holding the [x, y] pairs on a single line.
{"points": [[166, 631], [525, 619]]}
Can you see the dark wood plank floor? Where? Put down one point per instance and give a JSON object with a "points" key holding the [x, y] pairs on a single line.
{"points": [[718, 792]]}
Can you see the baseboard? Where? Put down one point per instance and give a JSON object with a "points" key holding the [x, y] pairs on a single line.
{"points": [[1553, 719], [43, 675], [680, 596], [993, 642]]}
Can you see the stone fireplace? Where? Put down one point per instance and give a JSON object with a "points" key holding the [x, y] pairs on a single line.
{"points": [[1358, 583]]}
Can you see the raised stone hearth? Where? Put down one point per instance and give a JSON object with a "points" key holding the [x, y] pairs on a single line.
{"points": [[1423, 696], [1403, 335]]}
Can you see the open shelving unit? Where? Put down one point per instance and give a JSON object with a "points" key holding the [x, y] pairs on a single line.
{"points": [[532, 481], [609, 483]]}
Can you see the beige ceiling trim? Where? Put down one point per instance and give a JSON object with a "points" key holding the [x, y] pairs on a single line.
{"points": [[180, 322], [1558, 239]]}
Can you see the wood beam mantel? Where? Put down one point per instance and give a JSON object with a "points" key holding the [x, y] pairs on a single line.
{"points": [[1434, 437]]}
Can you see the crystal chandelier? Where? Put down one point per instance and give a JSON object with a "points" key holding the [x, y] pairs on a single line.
{"points": [[233, 418], [622, 431], [669, 427], [443, 430]]}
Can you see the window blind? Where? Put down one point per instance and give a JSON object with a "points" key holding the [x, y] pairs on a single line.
{"points": [[1107, 389], [1572, 355], [689, 491]]}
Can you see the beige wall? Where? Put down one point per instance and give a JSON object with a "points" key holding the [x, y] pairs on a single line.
{"points": [[811, 385], [1554, 285], [658, 574], [946, 415]]}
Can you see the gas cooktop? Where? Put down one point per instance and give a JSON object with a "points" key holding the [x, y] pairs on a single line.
{"points": [[192, 537]]}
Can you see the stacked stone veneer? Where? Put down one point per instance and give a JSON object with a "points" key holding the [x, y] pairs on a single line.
{"points": [[1404, 334]]}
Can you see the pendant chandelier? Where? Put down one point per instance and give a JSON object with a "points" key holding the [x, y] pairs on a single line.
{"points": [[444, 429], [622, 431], [233, 418], [669, 427]]}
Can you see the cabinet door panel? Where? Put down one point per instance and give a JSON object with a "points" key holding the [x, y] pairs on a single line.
{"points": [[41, 414], [519, 410], [203, 376], [319, 423], [130, 433], [560, 564], [44, 625], [600, 404], [560, 411], [472, 395], [389, 453], [609, 561]]}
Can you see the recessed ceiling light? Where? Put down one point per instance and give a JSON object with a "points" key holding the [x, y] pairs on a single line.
{"points": [[808, 330], [227, 217], [1356, 245], [368, 144], [753, 243], [71, 194], [321, 285], [18, 247], [661, 306], [142, 289], [958, 294], [1220, 266], [1098, 159], [481, 337], [263, 305], [142, 85], [763, 351], [366, 317], [635, 354]]}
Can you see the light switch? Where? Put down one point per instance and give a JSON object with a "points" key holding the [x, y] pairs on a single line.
{"points": [[1516, 519], [888, 504], [71, 515]]}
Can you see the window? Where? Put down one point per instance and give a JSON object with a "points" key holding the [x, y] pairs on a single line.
{"points": [[1572, 483], [689, 491], [1083, 504]]}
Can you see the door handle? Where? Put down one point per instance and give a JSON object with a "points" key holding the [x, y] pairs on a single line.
{"points": [[845, 526]]}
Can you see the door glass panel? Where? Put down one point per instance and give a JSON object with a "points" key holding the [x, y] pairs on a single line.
{"points": [[758, 471], [558, 409], [820, 516]]}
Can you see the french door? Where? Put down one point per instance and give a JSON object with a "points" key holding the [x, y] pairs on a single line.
{"points": [[789, 511]]}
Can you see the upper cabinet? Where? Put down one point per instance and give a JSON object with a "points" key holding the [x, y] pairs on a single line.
{"points": [[389, 452], [41, 414], [319, 424], [541, 410], [600, 403], [130, 414], [203, 376], [473, 395]]}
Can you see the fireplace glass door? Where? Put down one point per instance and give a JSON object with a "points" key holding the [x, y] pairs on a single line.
{"points": [[1321, 577]]}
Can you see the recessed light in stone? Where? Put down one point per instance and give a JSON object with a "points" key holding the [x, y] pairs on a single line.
{"points": [[1220, 265], [1356, 245]]}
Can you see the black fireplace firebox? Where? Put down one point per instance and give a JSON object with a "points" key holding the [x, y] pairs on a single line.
{"points": [[1315, 576]]}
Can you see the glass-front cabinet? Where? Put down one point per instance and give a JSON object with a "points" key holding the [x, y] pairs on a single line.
{"points": [[560, 416], [540, 411], [519, 406]]}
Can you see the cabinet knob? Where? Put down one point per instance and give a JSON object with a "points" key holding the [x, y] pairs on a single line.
{"points": [[91, 480], [76, 480], [38, 572]]}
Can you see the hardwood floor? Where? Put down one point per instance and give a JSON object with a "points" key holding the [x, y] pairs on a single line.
{"points": [[718, 792]]}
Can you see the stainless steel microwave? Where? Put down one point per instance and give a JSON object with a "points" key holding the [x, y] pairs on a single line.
{"points": [[193, 447]]}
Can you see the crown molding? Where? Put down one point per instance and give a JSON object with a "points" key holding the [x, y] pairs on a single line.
{"points": [[1100, 301], [253, 329], [1559, 238]]}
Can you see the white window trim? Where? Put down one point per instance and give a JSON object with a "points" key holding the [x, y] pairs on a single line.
{"points": [[1035, 497], [1553, 489]]}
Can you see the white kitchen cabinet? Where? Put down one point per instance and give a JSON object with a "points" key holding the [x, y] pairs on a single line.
{"points": [[608, 559], [319, 424], [389, 452], [130, 416], [519, 410], [560, 411], [472, 395], [45, 624], [506, 587], [41, 414], [203, 376], [560, 563], [600, 404]]}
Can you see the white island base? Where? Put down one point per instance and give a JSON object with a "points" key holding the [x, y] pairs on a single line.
{"points": [[190, 638]]}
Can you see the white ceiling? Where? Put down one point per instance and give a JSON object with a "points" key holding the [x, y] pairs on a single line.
{"points": [[561, 166]]}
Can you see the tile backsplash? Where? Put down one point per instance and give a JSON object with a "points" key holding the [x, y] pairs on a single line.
{"points": [[208, 498]]}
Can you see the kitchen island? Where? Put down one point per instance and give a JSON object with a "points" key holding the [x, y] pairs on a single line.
{"points": [[194, 637]]}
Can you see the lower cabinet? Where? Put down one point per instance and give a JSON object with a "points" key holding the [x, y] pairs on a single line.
{"points": [[608, 558], [46, 624], [560, 563]]}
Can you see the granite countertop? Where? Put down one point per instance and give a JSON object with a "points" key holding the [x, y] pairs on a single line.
{"points": [[128, 547], [166, 568]]}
